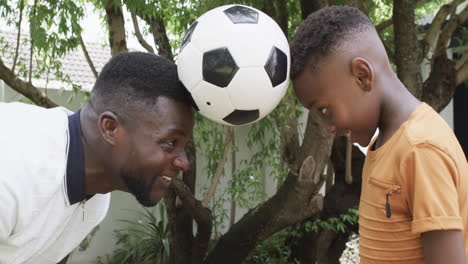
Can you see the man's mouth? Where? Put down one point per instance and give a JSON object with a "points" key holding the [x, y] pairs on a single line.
{"points": [[167, 178]]}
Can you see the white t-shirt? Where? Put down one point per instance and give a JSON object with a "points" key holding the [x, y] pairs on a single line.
{"points": [[37, 223]]}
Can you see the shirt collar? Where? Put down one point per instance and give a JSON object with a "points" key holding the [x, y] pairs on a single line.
{"points": [[75, 177]]}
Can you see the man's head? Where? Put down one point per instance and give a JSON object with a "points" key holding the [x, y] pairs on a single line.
{"points": [[144, 120], [336, 55]]}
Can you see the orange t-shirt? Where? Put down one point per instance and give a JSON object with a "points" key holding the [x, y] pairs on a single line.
{"points": [[416, 182]]}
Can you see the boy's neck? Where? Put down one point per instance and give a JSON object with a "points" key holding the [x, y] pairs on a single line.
{"points": [[397, 105]]}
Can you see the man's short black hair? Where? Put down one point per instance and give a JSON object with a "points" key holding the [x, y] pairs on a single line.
{"points": [[131, 81], [322, 32]]}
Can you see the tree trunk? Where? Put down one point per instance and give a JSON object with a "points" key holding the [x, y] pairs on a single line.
{"points": [[115, 21], [160, 36], [180, 220], [296, 200], [326, 246], [407, 53], [309, 6]]}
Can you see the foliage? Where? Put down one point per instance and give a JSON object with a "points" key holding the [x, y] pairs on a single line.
{"points": [[144, 240], [275, 249], [335, 224]]}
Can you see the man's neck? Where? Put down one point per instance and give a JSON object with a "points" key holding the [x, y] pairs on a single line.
{"points": [[97, 180]]}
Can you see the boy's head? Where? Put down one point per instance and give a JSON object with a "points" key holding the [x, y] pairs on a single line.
{"points": [[336, 54]]}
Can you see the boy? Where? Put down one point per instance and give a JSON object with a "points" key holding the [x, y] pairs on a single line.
{"points": [[413, 206]]}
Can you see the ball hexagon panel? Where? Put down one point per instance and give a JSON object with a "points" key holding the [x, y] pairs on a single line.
{"points": [[242, 14], [242, 117], [277, 66], [189, 66], [213, 102], [249, 89], [188, 35], [219, 67]]}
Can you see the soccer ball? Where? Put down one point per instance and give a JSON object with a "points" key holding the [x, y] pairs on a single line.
{"points": [[235, 62]]}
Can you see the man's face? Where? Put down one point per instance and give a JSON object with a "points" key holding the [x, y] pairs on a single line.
{"points": [[333, 93], [155, 147]]}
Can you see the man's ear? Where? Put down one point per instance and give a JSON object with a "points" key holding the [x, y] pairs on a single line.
{"points": [[363, 72], [109, 127]]}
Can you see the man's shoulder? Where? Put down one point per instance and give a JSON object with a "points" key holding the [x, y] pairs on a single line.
{"points": [[34, 145]]}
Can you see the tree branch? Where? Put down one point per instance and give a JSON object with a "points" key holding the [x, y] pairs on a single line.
{"points": [[447, 31], [202, 216], [32, 44], [459, 63], [88, 58], [433, 32], [219, 170], [349, 149], [181, 241], [384, 24], [232, 216], [24, 88], [138, 34], [18, 37]]}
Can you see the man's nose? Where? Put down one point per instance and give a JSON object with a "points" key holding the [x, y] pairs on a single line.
{"points": [[181, 161]]}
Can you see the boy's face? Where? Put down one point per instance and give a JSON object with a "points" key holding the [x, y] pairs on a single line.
{"points": [[337, 95]]}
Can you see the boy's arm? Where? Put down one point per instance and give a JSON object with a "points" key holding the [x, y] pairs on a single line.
{"points": [[444, 246]]}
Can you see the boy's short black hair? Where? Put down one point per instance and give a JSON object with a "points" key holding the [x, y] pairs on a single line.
{"points": [[322, 32], [135, 80]]}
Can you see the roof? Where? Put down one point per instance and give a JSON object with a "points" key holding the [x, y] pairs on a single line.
{"points": [[74, 64]]}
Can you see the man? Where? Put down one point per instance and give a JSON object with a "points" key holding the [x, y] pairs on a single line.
{"points": [[57, 168]]}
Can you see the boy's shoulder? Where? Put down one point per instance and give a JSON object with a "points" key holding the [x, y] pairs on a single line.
{"points": [[426, 127], [426, 130]]}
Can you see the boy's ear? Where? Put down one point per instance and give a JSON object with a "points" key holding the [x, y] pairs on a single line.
{"points": [[109, 127], [363, 72]]}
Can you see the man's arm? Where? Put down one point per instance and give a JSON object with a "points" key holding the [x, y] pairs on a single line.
{"points": [[444, 246], [64, 260]]}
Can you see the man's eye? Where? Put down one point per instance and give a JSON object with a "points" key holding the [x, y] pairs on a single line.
{"points": [[323, 111]]}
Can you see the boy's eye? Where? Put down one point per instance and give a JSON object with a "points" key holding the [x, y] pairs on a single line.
{"points": [[323, 111]]}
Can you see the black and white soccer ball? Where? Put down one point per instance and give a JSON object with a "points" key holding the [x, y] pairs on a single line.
{"points": [[235, 62]]}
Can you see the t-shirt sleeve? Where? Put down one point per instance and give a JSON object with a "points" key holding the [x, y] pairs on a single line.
{"points": [[431, 185]]}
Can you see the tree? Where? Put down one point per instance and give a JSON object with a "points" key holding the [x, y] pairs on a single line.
{"points": [[297, 204]]}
